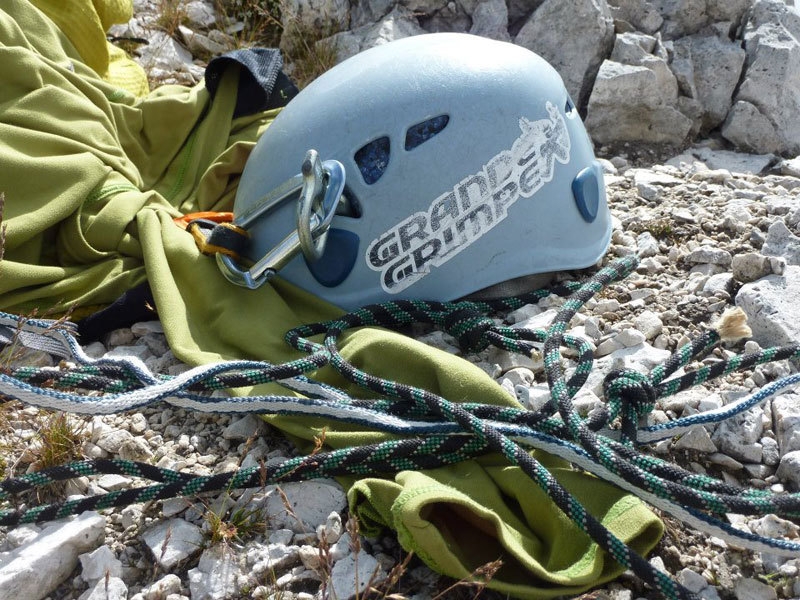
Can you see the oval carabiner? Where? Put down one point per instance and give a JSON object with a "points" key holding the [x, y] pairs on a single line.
{"points": [[317, 205]]}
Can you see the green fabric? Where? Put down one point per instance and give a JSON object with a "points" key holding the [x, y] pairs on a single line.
{"points": [[467, 515], [93, 177], [83, 160], [84, 23]]}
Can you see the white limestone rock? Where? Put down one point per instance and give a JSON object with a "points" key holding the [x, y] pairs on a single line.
{"points": [[243, 428], [22, 535], [490, 19], [789, 469], [721, 282], [696, 438], [173, 541], [774, 527], [630, 338], [648, 176], [786, 417], [168, 584], [681, 17], [589, 27], [111, 441], [276, 558], [200, 14], [750, 266], [747, 128], [99, 563], [309, 504], [636, 102], [772, 308], [351, 575], [112, 482], [35, 569], [646, 244], [332, 530], [735, 162], [639, 14], [112, 588], [164, 54], [367, 12], [772, 76], [398, 24], [698, 584], [715, 66], [782, 242], [707, 254], [738, 436], [790, 166], [312, 15], [727, 10], [649, 324], [216, 574], [752, 589]]}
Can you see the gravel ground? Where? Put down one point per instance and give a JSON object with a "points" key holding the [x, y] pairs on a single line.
{"points": [[691, 218]]}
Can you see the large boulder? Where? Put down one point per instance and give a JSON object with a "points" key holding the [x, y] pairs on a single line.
{"points": [[727, 10], [367, 12], [640, 15], [574, 36], [635, 96], [613, 117], [640, 71], [750, 130], [438, 15], [301, 17], [708, 68], [490, 19], [519, 9], [771, 84], [398, 24], [681, 17]]}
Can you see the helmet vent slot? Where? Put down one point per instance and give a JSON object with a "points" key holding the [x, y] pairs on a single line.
{"points": [[372, 159], [422, 132], [569, 106]]}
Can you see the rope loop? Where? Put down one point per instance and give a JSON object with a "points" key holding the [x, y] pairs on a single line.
{"points": [[469, 326], [432, 431]]}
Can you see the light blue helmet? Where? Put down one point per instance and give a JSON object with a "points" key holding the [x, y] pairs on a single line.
{"points": [[447, 163]]}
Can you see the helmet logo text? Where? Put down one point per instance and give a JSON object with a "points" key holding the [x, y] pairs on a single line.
{"points": [[409, 250]]}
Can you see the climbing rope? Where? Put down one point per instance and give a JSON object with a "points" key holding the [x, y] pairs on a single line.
{"points": [[444, 432]]}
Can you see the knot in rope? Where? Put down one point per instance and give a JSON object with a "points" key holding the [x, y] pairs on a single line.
{"points": [[469, 326], [628, 393]]}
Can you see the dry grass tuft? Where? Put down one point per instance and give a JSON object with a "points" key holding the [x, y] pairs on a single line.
{"points": [[270, 24], [171, 15]]}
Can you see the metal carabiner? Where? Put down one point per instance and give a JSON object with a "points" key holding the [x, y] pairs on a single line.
{"points": [[321, 185]]}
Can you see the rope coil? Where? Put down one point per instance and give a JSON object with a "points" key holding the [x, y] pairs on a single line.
{"points": [[445, 432]]}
